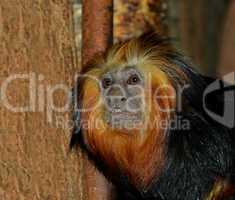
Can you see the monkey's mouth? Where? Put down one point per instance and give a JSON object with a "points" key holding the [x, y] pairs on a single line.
{"points": [[120, 119], [124, 116]]}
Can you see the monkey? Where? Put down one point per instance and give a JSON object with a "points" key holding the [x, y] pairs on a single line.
{"points": [[139, 113]]}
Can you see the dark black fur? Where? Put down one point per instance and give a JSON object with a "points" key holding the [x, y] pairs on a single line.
{"points": [[198, 156]]}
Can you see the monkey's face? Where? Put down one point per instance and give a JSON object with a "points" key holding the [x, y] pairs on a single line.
{"points": [[129, 139], [123, 96]]}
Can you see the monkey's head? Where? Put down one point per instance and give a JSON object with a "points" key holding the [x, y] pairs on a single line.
{"points": [[124, 100]]}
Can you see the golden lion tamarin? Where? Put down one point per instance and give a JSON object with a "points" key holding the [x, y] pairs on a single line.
{"points": [[140, 116]]}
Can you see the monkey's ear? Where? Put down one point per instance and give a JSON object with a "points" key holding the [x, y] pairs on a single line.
{"points": [[77, 93]]}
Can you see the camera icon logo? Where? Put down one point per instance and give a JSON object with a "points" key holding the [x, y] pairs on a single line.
{"points": [[222, 95]]}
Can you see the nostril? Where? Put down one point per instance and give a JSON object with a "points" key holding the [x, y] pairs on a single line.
{"points": [[123, 99]]}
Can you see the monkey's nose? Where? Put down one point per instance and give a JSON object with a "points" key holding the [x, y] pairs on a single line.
{"points": [[117, 102]]}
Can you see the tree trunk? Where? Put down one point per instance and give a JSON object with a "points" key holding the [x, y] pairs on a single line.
{"points": [[96, 38], [37, 67]]}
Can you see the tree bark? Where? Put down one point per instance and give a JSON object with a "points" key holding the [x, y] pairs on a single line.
{"points": [[36, 44]]}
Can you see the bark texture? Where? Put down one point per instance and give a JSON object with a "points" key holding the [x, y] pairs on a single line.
{"points": [[37, 37]]}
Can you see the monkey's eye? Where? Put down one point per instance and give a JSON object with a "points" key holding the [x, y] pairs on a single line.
{"points": [[106, 82], [133, 79]]}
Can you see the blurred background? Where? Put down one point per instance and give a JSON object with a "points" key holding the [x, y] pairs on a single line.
{"points": [[203, 30]]}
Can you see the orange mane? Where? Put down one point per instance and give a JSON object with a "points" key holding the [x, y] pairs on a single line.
{"points": [[140, 152]]}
